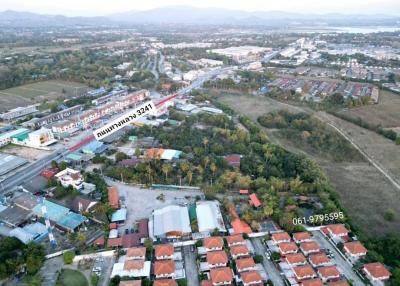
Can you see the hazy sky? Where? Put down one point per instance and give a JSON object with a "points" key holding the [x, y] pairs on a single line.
{"points": [[102, 7]]}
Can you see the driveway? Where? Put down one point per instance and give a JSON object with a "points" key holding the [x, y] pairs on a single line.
{"points": [[341, 263], [190, 266], [272, 272]]}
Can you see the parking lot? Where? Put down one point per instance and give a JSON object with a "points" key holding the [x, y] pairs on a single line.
{"points": [[140, 202]]}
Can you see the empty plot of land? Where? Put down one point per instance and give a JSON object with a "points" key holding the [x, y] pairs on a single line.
{"points": [[385, 113], [38, 93], [364, 191], [30, 154]]}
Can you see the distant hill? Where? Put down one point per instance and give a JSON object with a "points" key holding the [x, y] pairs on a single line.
{"points": [[192, 15]]}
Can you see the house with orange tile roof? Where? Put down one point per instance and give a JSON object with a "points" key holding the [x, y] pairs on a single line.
{"points": [[136, 253], [130, 283], [280, 237], [338, 232], [304, 272], [245, 264], [164, 282], [221, 276], [303, 236], [287, 248], [309, 247], [164, 251], [213, 243], [113, 197], [354, 250], [154, 153], [312, 282], [235, 239], [240, 226], [327, 273], [376, 271], [338, 283], [164, 269], [239, 251], [133, 265], [254, 201], [251, 278], [319, 259], [295, 259], [206, 283], [217, 259]]}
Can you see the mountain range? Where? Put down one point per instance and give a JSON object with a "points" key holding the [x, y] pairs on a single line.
{"points": [[205, 16]]}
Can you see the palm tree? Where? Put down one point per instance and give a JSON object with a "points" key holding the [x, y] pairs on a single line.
{"points": [[190, 176], [213, 169], [166, 168], [205, 142]]}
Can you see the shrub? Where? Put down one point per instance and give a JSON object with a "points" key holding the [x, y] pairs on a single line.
{"points": [[68, 257]]}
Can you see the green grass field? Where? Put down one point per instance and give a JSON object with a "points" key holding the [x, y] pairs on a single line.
{"points": [[39, 92], [69, 277]]}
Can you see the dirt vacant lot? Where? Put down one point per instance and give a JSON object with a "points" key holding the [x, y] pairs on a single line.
{"points": [[385, 113], [39, 92], [365, 192]]}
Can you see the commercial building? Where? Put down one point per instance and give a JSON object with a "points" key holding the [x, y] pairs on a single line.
{"points": [[40, 138], [170, 222], [18, 112], [243, 54], [209, 216], [6, 137]]}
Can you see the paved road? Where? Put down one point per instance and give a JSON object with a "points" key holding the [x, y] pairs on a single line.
{"points": [[190, 266], [269, 266], [344, 266], [31, 170], [50, 270]]}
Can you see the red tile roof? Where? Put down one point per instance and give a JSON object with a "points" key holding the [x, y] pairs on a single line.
{"points": [[287, 247], [239, 250], [206, 283], [295, 258], [219, 275], [213, 242], [310, 246], [355, 248], [304, 271], [243, 192], [136, 252], [244, 263], [113, 198], [100, 241], [254, 200], [251, 277], [377, 270], [133, 265], [217, 257], [280, 236], [301, 236], [337, 229], [130, 240], [113, 225], [233, 160], [114, 242], [164, 250], [233, 239], [329, 272], [312, 282], [240, 226], [164, 282], [162, 267], [319, 259]]}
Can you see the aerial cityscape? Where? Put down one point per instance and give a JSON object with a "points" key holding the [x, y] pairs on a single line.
{"points": [[170, 143]]}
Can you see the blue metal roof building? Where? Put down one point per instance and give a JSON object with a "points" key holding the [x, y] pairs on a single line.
{"points": [[71, 221], [94, 147], [119, 215]]}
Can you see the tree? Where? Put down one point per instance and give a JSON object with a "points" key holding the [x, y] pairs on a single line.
{"points": [[33, 264], [62, 166], [258, 258], [205, 142], [137, 152], [68, 257], [166, 168], [190, 176], [389, 215], [119, 156], [148, 243], [275, 256]]}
